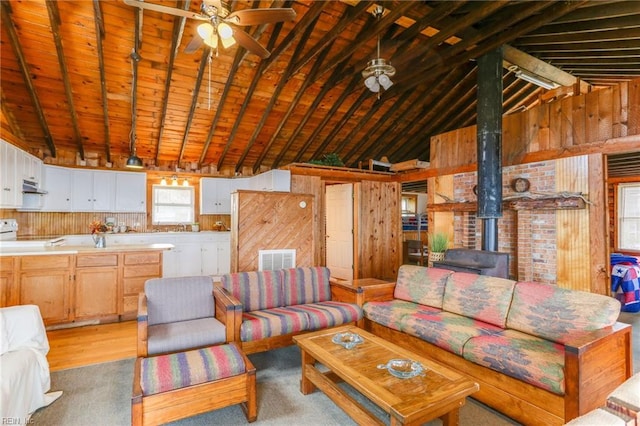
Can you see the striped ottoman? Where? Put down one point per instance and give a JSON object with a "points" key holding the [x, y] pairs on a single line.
{"points": [[183, 384]]}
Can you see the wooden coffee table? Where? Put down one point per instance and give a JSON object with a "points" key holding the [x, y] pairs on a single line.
{"points": [[439, 393]]}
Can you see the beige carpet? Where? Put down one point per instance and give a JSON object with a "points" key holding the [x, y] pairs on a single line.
{"points": [[100, 395]]}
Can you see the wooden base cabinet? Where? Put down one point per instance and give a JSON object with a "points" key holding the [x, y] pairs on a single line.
{"points": [[45, 281], [79, 287], [96, 286]]}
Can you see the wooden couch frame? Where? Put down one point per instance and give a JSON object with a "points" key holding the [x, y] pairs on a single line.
{"points": [[594, 365]]}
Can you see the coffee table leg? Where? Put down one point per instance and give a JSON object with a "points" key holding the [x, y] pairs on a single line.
{"points": [[452, 418], [306, 387]]}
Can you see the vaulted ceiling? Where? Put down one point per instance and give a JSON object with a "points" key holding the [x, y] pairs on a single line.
{"points": [[75, 83]]}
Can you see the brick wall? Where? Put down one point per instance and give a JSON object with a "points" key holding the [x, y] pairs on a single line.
{"points": [[528, 236]]}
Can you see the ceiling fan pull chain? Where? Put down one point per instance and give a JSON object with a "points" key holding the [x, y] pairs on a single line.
{"points": [[210, 59]]}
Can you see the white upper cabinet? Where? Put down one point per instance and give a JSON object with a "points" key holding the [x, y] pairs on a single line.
{"points": [[93, 191], [11, 192], [31, 168], [215, 196], [131, 192], [57, 182], [272, 180]]}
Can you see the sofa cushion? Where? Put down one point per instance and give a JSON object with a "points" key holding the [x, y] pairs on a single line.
{"points": [[329, 314], [176, 336], [481, 297], [446, 330], [179, 299], [265, 323], [531, 359], [421, 285], [559, 314], [255, 290], [306, 285], [390, 313]]}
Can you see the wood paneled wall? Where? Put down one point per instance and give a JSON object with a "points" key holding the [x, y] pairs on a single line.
{"points": [[313, 185], [572, 126], [271, 220]]}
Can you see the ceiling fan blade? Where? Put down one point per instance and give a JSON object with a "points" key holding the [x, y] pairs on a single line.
{"points": [[249, 17], [249, 43], [193, 45], [165, 9]]}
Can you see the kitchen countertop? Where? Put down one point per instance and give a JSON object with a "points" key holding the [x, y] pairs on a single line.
{"points": [[32, 250]]}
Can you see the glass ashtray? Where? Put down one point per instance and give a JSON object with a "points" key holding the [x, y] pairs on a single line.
{"points": [[347, 340], [403, 368]]}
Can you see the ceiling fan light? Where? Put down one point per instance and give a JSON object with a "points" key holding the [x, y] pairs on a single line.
{"points": [[372, 84], [228, 42], [225, 30], [385, 81], [205, 30]]}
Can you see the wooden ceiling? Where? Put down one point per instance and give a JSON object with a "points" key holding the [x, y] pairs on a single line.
{"points": [[70, 85]]}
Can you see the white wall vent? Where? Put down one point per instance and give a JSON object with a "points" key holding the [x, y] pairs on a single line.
{"points": [[276, 259]]}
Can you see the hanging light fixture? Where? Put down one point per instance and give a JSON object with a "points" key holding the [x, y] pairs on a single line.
{"points": [[378, 71], [133, 162]]}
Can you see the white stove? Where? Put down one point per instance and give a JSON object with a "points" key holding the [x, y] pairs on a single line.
{"points": [[8, 230]]}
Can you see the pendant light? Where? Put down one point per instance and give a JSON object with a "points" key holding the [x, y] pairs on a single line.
{"points": [[134, 162], [378, 70]]}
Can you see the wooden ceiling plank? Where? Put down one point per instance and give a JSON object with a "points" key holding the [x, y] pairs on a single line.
{"points": [[363, 38], [204, 60], [307, 82], [351, 86], [223, 98], [308, 18], [176, 39], [595, 24], [7, 22], [592, 47], [54, 20], [330, 84], [350, 15], [367, 139], [247, 98], [600, 36], [11, 120], [493, 42], [436, 14], [100, 32], [274, 97], [601, 9], [263, 27]]}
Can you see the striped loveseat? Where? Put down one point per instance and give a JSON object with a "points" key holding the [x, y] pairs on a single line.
{"points": [[274, 306], [540, 353]]}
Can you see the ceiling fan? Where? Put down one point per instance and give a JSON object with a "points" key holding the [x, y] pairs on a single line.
{"points": [[221, 26]]}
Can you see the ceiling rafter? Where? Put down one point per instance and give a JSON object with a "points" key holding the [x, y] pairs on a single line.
{"points": [[176, 38], [314, 70], [276, 93], [100, 33], [247, 97], [7, 23]]}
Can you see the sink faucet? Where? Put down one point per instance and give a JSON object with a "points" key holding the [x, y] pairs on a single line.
{"points": [[182, 227]]}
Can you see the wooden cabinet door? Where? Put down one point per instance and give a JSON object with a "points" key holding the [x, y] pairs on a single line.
{"points": [[96, 292], [8, 296], [49, 289]]}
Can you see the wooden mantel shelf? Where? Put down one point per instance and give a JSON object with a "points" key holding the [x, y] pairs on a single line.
{"points": [[524, 203]]}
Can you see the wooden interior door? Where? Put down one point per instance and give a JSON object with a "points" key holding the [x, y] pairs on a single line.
{"points": [[339, 230]]}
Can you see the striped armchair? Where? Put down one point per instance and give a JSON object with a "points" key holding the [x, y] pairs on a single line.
{"points": [[181, 313]]}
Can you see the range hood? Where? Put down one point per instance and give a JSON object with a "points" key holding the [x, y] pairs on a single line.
{"points": [[31, 187]]}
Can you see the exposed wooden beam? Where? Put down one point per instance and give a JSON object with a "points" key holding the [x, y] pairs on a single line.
{"points": [[134, 79], [316, 67], [204, 61], [100, 33], [176, 39], [7, 22], [524, 61], [596, 23], [276, 93], [54, 21], [601, 36]]}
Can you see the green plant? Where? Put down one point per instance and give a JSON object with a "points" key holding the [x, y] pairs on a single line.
{"points": [[332, 159], [438, 242]]}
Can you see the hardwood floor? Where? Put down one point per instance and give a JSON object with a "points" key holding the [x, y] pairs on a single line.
{"points": [[91, 344]]}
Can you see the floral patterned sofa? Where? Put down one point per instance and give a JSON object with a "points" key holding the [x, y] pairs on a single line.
{"points": [[540, 353], [273, 306]]}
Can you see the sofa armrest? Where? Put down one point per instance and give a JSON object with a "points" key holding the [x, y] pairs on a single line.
{"points": [[143, 323], [229, 312], [596, 363]]}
